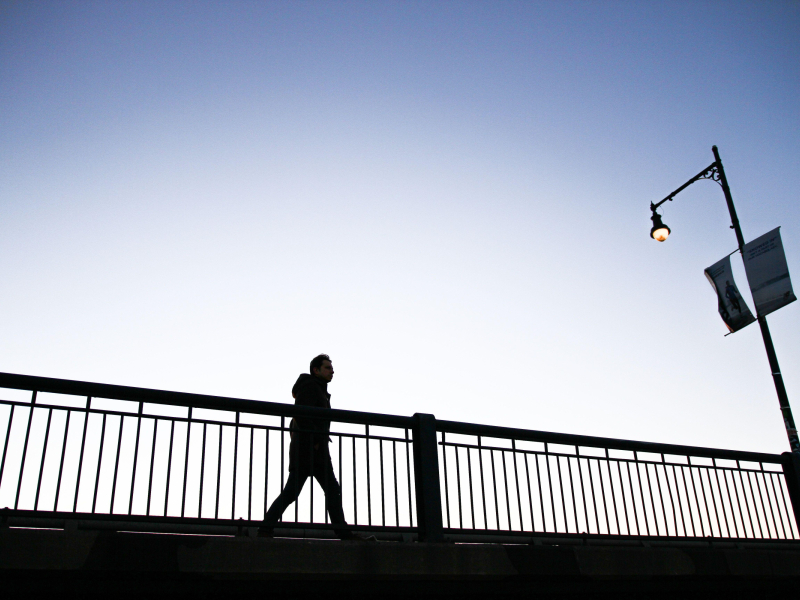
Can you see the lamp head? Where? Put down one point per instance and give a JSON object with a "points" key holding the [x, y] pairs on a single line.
{"points": [[659, 231]]}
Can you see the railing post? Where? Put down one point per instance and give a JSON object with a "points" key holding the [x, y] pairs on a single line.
{"points": [[791, 473], [426, 479]]}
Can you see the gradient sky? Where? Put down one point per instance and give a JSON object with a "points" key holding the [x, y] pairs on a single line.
{"points": [[449, 198]]}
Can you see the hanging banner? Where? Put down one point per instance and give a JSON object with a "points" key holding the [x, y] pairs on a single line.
{"points": [[732, 307], [767, 272]]}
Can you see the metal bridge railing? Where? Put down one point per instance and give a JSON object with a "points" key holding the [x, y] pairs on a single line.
{"points": [[109, 453], [137, 459]]}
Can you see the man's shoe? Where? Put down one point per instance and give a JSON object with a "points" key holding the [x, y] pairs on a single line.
{"points": [[265, 532], [362, 537]]}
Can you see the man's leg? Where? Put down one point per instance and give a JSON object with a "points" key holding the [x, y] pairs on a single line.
{"points": [[294, 485], [324, 474]]}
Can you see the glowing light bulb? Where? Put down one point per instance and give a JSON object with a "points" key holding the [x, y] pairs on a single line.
{"points": [[660, 234]]}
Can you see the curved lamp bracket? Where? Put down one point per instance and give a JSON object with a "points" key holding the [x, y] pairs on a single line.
{"points": [[711, 172]]}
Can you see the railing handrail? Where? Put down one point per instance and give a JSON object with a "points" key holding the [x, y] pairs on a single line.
{"points": [[122, 392], [189, 400], [569, 439]]}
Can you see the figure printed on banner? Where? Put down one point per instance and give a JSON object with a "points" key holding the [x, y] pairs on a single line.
{"points": [[732, 307]]}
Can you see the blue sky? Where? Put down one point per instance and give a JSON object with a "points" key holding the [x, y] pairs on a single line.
{"points": [[450, 198]]}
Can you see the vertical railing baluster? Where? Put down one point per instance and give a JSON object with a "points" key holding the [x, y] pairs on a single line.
{"points": [[5, 443], [661, 496], [99, 463], [583, 490], [408, 473], [561, 489], [458, 489], [283, 450], [471, 489], [688, 503], [730, 503], [633, 496], [791, 524], [637, 468], [613, 493], [325, 486], [235, 464], [169, 465], [777, 507], [761, 497], [705, 501], [680, 504], [594, 496], [446, 482], [652, 497], [135, 455], [530, 491], [202, 474], [721, 498], [694, 474], [116, 464], [786, 514], [713, 502], [624, 500], [297, 480], [494, 489], [383, 495], [603, 496], [483, 485], [44, 456], [25, 450], [759, 479], [773, 501], [61, 464], [341, 481], [186, 462], [541, 492], [80, 459], [219, 472], [355, 484], [396, 492], [369, 479], [152, 465], [572, 495], [250, 477], [755, 506], [739, 500], [311, 504], [550, 486], [266, 468], [505, 483], [516, 482], [671, 498]]}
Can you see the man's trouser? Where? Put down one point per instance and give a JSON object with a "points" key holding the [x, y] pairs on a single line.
{"points": [[323, 473]]}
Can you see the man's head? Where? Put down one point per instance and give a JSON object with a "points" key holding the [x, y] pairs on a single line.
{"points": [[322, 368]]}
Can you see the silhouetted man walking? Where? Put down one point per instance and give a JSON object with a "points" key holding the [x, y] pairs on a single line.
{"points": [[308, 451]]}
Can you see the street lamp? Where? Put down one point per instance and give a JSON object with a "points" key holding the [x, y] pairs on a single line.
{"points": [[660, 232]]}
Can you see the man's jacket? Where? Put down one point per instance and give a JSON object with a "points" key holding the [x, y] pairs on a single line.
{"points": [[307, 433]]}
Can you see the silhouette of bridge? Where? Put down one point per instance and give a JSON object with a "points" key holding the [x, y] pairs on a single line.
{"points": [[90, 472]]}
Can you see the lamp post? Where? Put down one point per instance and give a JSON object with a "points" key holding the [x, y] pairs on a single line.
{"points": [[660, 232]]}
